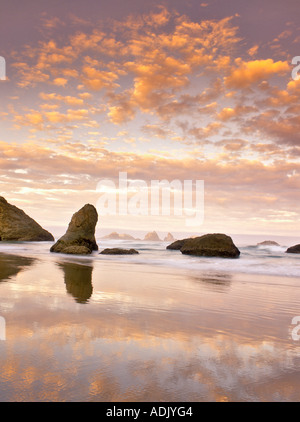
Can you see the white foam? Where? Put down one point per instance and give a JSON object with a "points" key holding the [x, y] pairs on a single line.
{"points": [[262, 259]]}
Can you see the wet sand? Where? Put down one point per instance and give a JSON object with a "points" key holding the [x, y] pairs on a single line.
{"points": [[85, 330]]}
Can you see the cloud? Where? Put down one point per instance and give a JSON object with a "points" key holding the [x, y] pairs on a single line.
{"points": [[229, 113], [121, 113], [60, 81], [95, 79], [253, 50], [40, 119], [157, 19], [72, 101], [244, 74]]}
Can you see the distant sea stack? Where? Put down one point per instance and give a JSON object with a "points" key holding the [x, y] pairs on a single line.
{"points": [[169, 238], [15, 225], [294, 249], [80, 236], [268, 243], [117, 236], [153, 236], [209, 245]]}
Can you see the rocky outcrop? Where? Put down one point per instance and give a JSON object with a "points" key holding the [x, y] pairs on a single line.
{"points": [[209, 245], [268, 243], [169, 238], [117, 236], [15, 225], [294, 249], [80, 236], [153, 236], [177, 245], [118, 251]]}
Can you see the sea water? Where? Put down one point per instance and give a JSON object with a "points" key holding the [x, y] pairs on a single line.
{"points": [[158, 326]]}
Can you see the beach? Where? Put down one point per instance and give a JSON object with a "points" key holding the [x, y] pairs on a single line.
{"points": [[158, 326]]}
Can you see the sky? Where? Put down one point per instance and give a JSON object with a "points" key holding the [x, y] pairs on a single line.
{"points": [[160, 90]]}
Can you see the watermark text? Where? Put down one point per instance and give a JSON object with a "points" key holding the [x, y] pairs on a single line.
{"points": [[156, 198], [296, 330], [2, 69], [2, 328], [296, 70]]}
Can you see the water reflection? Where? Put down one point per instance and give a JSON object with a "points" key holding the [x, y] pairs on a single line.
{"points": [[215, 281], [162, 336], [11, 265], [78, 280]]}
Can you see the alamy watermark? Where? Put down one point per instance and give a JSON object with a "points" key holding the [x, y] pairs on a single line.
{"points": [[295, 61], [296, 330], [157, 198], [2, 328], [2, 69]]}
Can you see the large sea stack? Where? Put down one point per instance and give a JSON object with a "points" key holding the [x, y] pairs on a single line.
{"points": [[209, 245], [15, 225], [80, 236]]}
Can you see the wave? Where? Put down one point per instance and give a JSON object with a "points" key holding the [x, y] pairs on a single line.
{"points": [[263, 259]]}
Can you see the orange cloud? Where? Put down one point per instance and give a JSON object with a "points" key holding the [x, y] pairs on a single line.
{"points": [[72, 101], [60, 81], [97, 79], [37, 119], [244, 74]]}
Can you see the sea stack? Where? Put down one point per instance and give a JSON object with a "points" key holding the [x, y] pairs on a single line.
{"points": [[80, 236], [268, 243], [152, 236], [169, 238], [15, 225], [117, 236], [209, 245]]}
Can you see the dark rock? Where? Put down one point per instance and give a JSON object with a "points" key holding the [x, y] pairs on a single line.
{"points": [[15, 225], [77, 250], [118, 251], [211, 245], [80, 236], [293, 249], [177, 245]]}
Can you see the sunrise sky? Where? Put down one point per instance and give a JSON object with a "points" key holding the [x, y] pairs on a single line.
{"points": [[158, 89]]}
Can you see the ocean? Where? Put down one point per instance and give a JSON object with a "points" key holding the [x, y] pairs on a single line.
{"points": [[158, 326]]}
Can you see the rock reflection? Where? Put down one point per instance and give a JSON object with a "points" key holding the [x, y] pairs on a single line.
{"points": [[11, 265], [215, 281], [78, 280]]}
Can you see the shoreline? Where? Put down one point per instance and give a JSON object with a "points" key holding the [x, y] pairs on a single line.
{"points": [[254, 261]]}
